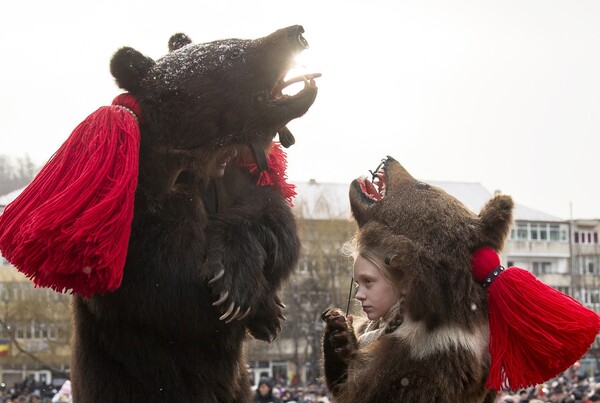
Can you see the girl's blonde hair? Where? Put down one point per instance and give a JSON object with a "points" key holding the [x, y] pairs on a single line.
{"points": [[352, 249]]}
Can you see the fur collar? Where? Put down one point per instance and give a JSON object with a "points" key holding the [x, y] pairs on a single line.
{"points": [[378, 328], [424, 343]]}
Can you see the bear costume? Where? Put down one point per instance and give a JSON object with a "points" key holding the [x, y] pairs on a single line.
{"points": [[206, 256], [440, 342]]}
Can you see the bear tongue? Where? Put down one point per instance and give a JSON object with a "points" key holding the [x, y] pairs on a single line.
{"points": [[369, 189]]}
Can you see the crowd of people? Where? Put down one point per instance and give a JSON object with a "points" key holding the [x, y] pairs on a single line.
{"points": [[573, 386], [30, 391], [269, 392]]}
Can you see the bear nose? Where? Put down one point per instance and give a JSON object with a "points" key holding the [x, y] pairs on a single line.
{"points": [[295, 33]]}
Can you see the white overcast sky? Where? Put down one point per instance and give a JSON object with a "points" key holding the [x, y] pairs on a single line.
{"points": [[505, 92]]}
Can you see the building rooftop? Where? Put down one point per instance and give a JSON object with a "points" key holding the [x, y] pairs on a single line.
{"points": [[330, 200]]}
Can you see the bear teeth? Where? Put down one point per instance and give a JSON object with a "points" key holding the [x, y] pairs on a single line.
{"points": [[308, 80], [379, 181]]}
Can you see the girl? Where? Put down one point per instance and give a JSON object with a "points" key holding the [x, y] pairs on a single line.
{"points": [[379, 291], [375, 365]]}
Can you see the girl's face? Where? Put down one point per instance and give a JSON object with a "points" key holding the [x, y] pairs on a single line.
{"points": [[375, 293]]}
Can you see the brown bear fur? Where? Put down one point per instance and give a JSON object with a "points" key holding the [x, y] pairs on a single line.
{"points": [[437, 351], [159, 337]]}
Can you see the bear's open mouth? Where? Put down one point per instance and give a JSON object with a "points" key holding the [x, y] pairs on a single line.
{"points": [[276, 93], [375, 188]]}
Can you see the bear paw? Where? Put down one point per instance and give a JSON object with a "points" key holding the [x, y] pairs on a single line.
{"points": [[234, 269], [235, 296], [265, 323]]}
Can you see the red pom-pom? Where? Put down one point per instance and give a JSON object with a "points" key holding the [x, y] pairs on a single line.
{"points": [[276, 174], [483, 261], [69, 229], [536, 332]]}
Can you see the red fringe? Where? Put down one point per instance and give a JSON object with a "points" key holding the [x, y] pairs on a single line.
{"points": [[536, 332], [276, 175], [69, 229]]}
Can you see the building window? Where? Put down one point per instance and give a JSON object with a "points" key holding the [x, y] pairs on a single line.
{"points": [[590, 297], [533, 232], [554, 232], [542, 268], [522, 231], [539, 232], [543, 232], [33, 330], [594, 297], [585, 237], [587, 264]]}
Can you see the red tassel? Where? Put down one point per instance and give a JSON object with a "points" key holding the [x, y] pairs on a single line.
{"points": [[536, 332], [69, 229], [276, 175]]}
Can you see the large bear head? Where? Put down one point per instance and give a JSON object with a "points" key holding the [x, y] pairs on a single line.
{"points": [[150, 155], [202, 97], [428, 237]]}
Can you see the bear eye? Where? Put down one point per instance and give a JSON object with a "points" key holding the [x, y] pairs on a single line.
{"points": [[422, 185], [235, 53]]}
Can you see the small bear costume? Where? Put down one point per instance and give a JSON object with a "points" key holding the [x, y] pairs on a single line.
{"points": [[464, 326]]}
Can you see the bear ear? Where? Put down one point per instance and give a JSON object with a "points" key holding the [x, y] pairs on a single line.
{"points": [[496, 218], [129, 67], [178, 41]]}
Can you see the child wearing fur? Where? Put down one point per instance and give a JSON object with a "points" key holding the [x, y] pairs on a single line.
{"points": [[431, 344], [354, 360], [449, 322], [379, 290]]}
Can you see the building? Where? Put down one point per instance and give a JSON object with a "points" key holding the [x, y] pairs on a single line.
{"points": [[585, 260], [35, 326], [35, 330]]}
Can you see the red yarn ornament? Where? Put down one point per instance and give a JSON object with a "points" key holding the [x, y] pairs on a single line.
{"points": [[536, 332], [276, 174], [69, 229]]}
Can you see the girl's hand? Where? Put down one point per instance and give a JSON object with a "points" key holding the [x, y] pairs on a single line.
{"points": [[339, 333]]}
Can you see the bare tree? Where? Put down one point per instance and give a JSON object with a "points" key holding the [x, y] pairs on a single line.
{"points": [[321, 281], [15, 173], [36, 322]]}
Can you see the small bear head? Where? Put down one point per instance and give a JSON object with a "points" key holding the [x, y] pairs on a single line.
{"points": [[427, 237]]}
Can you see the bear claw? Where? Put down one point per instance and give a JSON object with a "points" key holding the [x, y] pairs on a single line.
{"points": [[234, 315], [228, 312], [217, 276], [222, 298], [245, 314]]}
